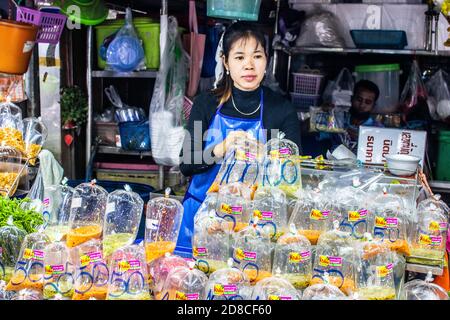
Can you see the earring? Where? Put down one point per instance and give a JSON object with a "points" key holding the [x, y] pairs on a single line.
{"points": [[265, 71], [228, 72]]}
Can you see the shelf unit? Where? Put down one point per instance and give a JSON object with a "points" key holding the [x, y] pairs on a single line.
{"points": [[99, 74]]}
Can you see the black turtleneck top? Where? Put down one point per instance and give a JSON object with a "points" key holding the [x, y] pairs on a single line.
{"points": [[278, 114]]}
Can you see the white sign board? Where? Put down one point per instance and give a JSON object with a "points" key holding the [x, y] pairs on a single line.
{"points": [[374, 143]]}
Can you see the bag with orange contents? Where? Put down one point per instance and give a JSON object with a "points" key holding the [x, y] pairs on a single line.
{"points": [[86, 213]]}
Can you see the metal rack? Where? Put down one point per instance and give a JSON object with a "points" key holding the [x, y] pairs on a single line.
{"points": [[92, 74]]}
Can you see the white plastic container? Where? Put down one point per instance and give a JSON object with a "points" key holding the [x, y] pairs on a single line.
{"points": [[386, 77]]}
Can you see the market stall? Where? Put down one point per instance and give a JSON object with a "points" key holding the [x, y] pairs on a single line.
{"points": [[353, 213]]}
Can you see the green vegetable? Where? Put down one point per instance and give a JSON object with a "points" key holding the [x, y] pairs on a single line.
{"points": [[25, 219]]}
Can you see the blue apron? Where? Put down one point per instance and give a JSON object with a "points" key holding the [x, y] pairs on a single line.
{"points": [[200, 183]]}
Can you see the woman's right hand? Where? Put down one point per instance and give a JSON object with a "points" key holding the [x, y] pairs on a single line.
{"points": [[232, 139]]}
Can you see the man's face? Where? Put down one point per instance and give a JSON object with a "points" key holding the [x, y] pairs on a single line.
{"points": [[363, 101]]}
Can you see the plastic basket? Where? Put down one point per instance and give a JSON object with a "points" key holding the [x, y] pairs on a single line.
{"points": [[135, 135], [304, 101], [234, 9], [379, 39], [306, 83], [50, 25]]}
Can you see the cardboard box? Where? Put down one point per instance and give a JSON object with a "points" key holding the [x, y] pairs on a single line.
{"points": [[374, 143]]}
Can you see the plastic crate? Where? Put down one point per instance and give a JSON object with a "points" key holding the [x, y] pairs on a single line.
{"points": [[135, 135], [50, 25], [304, 101], [379, 39], [306, 83]]}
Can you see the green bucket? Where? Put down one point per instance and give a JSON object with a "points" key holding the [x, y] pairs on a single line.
{"points": [[148, 32], [443, 160]]}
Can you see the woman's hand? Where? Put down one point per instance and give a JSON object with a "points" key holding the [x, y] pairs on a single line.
{"points": [[234, 138]]}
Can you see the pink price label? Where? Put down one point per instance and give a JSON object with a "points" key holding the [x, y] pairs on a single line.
{"points": [[46, 202], [249, 256], [58, 269], [230, 290], [436, 241], [135, 264], [267, 216], [193, 296], [335, 261], [306, 255], [38, 255], [362, 213], [285, 151], [236, 210], [250, 156], [95, 256], [200, 252], [443, 226], [391, 222]]}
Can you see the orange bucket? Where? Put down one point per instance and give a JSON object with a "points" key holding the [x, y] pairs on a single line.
{"points": [[17, 42]]}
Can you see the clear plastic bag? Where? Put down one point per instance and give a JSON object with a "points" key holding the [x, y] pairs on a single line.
{"points": [[322, 28], [56, 212], [166, 123], [252, 252], [160, 268], [211, 243], [424, 290], [335, 255], [11, 238], [11, 126], [28, 294], [128, 275], [323, 291], [269, 205], [293, 259], [275, 288], [243, 163], [388, 222], [86, 213], [184, 283], [429, 239], [29, 270], [438, 95], [414, 94], [58, 276], [312, 214], [228, 284], [353, 212], [11, 168], [281, 168], [34, 136], [376, 278], [125, 53], [232, 201], [91, 271], [122, 217], [339, 92], [163, 222]]}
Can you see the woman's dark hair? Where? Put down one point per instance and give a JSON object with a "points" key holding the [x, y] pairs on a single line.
{"points": [[236, 31]]}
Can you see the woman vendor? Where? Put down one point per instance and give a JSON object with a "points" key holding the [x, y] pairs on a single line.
{"points": [[240, 107]]}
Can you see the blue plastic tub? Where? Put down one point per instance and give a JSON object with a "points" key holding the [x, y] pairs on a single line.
{"points": [[379, 39], [135, 135]]}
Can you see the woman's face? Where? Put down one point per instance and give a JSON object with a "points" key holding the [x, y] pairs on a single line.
{"points": [[247, 63]]}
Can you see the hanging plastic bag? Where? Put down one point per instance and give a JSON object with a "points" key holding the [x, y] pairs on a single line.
{"points": [[232, 202], [34, 136], [160, 268], [11, 127], [439, 95], [125, 53], [166, 118], [321, 29], [275, 288], [11, 168], [424, 290], [339, 92], [414, 94]]}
